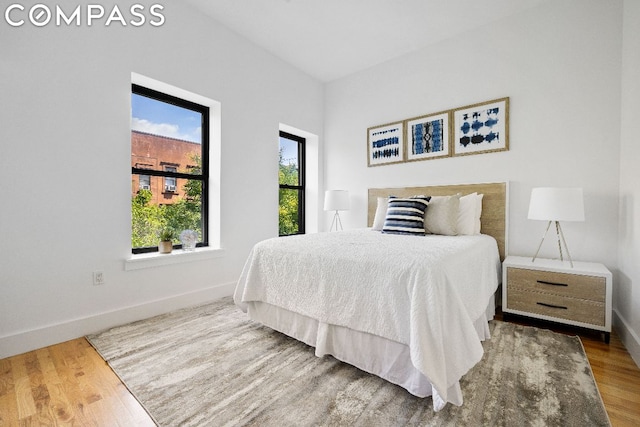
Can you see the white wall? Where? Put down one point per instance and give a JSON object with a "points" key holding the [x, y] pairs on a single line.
{"points": [[64, 149], [65, 166], [627, 295], [563, 80], [560, 64]]}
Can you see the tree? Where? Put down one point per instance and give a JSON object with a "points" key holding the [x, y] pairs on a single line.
{"points": [[186, 214], [289, 198], [146, 220]]}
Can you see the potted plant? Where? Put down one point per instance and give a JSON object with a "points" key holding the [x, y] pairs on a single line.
{"points": [[166, 240]]}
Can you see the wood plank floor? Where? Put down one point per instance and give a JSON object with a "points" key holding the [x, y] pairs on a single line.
{"points": [[70, 385], [65, 385]]}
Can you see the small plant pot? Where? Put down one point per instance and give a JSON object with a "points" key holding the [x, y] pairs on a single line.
{"points": [[165, 247]]}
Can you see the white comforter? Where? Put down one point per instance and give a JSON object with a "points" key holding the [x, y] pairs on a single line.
{"points": [[424, 292]]}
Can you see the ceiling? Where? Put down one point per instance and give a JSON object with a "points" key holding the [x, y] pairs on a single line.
{"points": [[330, 39]]}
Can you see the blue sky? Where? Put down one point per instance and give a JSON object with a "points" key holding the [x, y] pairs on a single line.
{"points": [[159, 118], [289, 151]]}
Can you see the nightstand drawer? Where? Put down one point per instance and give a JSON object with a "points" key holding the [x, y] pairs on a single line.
{"points": [[562, 307], [561, 284]]}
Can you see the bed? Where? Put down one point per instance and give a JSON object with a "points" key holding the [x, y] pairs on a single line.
{"points": [[412, 309]]}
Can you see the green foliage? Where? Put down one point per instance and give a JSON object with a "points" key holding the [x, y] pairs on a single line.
{"points": [[193, 189], [288, 212], [151, 223], [184, 215], [288, 174], [148, 221], [167, 234]]}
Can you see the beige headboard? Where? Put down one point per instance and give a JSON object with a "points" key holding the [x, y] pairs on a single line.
{"points": [[494, 204]]}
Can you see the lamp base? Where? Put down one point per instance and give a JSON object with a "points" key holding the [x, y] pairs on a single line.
{"points": [[561, 241], [336, 221]]}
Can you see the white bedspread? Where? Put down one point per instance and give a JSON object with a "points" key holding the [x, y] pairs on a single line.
{"points": [[424, 292]]}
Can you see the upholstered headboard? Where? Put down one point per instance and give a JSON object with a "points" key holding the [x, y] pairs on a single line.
{"points": [[494, 205]]}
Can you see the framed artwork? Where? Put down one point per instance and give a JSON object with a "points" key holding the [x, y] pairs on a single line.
{"points": [[428, 137], [385, 144], [481, 128]]}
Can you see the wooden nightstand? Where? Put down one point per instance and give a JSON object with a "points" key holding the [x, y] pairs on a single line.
{"points": [[552, 290]]}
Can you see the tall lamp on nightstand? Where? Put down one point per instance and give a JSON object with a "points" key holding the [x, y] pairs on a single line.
{"points": [[555, 205], [336, 200]]}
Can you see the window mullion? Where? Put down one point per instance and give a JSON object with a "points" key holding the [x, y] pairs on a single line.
{"points": [[152, 172], [292, 187]]}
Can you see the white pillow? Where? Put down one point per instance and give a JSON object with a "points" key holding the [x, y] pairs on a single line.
{"points": [[442, 215], [381, 213], [478, 213], [469, 214]]}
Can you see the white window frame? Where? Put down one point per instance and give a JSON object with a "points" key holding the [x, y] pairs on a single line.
{"points": [[214, 249]]}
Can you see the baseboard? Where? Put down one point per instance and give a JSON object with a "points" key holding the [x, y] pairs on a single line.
{"points": [[628, 337], [53, 334]]}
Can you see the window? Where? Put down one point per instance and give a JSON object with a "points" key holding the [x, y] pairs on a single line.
{"points": [[291, 180], [145, 182], [169, 168], [170, 182]]}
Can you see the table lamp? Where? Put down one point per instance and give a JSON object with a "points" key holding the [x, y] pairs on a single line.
{"points": [[336, 200], [555, 205]]}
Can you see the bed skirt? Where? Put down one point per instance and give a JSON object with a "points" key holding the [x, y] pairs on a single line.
{"points": [[385, 358]]}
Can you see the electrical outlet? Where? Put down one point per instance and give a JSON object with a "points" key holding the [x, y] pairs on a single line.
{"points": [[98, 278]]}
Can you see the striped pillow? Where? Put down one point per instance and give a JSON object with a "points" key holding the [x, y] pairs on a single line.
{"points": [[406, 216]]}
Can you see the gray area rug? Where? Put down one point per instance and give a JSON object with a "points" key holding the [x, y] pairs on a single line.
{"points": [[211, 366]]}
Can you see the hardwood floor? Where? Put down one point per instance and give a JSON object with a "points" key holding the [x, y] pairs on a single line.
{"points": [[65, 385], [70, 385]]}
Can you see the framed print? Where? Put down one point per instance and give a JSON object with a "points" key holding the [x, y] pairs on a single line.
{"points": [[428, 137], [481, 128], [385, 144]]}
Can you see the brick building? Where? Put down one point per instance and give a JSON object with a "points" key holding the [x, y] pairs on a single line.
{"points": [[161, 153]]}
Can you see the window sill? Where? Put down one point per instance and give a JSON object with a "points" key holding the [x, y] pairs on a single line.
{"points": [[177, 256]]}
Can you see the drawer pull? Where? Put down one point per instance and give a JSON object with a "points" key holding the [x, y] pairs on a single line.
{"points": [[544, 282], [544, 304]]}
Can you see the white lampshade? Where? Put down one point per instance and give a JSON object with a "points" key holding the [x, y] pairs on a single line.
{"points": [[336, 200], [556, 204]]}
